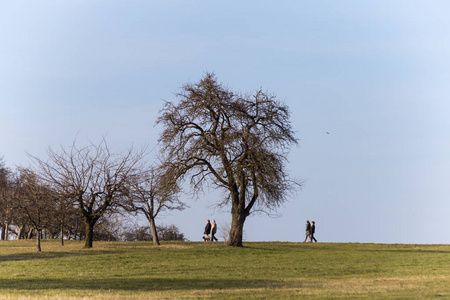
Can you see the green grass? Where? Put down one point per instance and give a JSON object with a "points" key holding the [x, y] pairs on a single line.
{"points": [[139, 270]]}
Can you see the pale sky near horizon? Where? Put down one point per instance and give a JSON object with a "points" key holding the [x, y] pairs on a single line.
{"points": [[374, 74]]}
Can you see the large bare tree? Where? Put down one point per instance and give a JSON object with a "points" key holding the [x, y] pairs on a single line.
{"points": [[237, 142], [95, 179]]}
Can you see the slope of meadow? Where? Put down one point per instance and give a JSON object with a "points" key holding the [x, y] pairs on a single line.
{"points": [[193, 270]]}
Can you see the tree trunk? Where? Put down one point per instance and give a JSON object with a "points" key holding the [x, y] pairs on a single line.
{"points": [[89, 234], [3, 232], [6, 231], [154, 233], [30, 233], [38, 240], [20, 232], [62, 234], [237, 229]]}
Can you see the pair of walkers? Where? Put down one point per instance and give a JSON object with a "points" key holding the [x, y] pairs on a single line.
{"points": [[210, 229], [310, 230]]}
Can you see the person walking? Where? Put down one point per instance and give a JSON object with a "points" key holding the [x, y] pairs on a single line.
{"points": [[207, 231], [213, 231], [313, 230], [308, 231]]}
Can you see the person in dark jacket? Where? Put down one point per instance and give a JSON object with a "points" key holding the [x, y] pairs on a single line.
{"points": [[207, 231], [308, 231], [313, 230]]}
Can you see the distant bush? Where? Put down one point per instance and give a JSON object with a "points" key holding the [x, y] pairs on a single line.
{"points": [[169, 233], [144, 233]]}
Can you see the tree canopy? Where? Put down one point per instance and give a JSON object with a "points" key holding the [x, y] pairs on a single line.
{"points": [[95, 179], [237, 142]]}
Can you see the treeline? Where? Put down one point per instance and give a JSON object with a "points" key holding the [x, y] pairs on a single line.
{"points": [[212, 137], [77, 190]]}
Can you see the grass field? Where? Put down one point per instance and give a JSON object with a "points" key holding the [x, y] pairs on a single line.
{"points": [[139, 270]]}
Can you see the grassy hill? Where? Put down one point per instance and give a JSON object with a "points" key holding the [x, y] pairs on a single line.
{"points": [[139, 270]]}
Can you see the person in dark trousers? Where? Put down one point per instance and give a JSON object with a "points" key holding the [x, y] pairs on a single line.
{"points": [[308, 231], [313, 230], [207, 231], [213, 231]]}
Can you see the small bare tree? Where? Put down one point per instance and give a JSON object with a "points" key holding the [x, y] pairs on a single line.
{"points": [[110, 227], [64, 212], [155, 190], [237, 143], [95, 179], [33, 198], [6, 207]]}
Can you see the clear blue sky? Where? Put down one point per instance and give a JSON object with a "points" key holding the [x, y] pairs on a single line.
{"points": [[374, 74]]}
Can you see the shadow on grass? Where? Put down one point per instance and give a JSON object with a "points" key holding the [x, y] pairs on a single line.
{"points": [[46, 255], [416, 251], [135, 284]]}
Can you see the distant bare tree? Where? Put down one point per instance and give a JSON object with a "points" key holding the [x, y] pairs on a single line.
{"points": [[75, 226], [65, 215], [153, 192], [136, 232], [237, 143], [6, 206], [111, 227], [93, 177], [33, 198]]}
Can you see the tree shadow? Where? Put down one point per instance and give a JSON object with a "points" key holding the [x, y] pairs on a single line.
{"points": [[46, 255], [135, 284], [416, 251]]}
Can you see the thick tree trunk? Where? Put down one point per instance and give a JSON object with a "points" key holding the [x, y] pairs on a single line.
{"points": [[38, 240], [154, 232], [237, 229], [89, 234]]}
